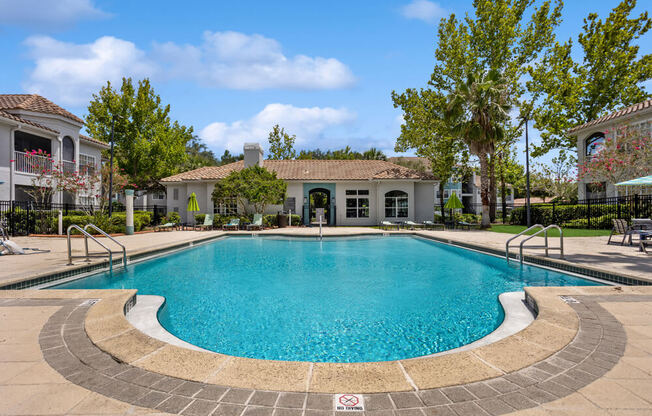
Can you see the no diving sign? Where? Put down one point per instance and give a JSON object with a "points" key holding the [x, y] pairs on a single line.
{"points": [[348, 402]]}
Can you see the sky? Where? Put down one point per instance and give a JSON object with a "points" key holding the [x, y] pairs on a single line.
{"points": [[232, 69]]}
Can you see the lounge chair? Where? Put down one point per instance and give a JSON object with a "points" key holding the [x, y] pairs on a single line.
{"points": [[234, 224], [167, 226], [643, 244], [433, 225], [208, 222], [386, 225], [621, 227], [258, 222], [412, 225]]}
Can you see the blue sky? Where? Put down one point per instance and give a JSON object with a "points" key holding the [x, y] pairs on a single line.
{"points": [[324, 71]]}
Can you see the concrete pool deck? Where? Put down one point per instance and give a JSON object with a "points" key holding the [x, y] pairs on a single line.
{"points": [[585, 252], [585, 355]]}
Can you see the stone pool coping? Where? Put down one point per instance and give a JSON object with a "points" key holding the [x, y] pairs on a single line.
{"points": [[555, 327], [598, 345]]}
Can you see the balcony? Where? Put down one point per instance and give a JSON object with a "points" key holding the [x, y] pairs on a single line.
{"points": [[31, 164]]}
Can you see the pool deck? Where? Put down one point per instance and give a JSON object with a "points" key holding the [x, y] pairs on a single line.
{"points": [[71, 352], [62, 355], [589, 252]]}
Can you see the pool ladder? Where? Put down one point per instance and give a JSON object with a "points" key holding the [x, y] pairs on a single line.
{"points": [[87, 235], [543, 230], [321, 237]]}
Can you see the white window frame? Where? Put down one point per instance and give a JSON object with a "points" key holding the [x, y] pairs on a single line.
{"points": [[87, 160], [226, 206], [158, 196], [355, 195], [396, 207]]}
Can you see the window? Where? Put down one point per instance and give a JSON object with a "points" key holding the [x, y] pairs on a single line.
{"points": [[226, 206], [175, 194], [158, 196], [86, 164], [446, 193], [357, 203], [396, 204], [87, 200], [175, 209], [68, 149], [594, 144]]}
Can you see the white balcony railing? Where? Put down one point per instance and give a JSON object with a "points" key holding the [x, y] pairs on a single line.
{"points": [[69, 167], [31, 164]]}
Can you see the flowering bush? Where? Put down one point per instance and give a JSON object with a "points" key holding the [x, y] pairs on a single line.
{"points": [[626, 154]]}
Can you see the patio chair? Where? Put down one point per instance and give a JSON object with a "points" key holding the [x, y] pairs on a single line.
{"points": [[467, 225], [412, 225], [643, 244], [258, 222], [166, 227], [620, 227], [433, 225], [386, 225], [234, 224], [208, 223]]}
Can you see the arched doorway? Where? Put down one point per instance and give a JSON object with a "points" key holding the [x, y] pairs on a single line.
{"points": [[319, 199]]}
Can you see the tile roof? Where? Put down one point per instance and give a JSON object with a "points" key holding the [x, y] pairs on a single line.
{"points": [[311, 170], [13, 117], [36, 103], [94, 141], [647, 104]]}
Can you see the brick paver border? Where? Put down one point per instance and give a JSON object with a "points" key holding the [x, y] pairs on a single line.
{"points": [[597, 347]]}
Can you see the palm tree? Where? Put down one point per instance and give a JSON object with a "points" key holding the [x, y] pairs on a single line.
{"points": [[478, 108], [374, 154]]}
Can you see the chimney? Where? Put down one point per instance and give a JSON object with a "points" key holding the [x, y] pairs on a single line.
{"points": [[253, 154]]}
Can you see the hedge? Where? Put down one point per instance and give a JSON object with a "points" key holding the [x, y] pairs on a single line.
{"points": [[567, 214]]}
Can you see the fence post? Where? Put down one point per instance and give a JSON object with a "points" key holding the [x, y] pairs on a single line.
{"points": [[156, 216], [618, 206], [554, 221], [588, 213], [636, 210], [29, 223], [12, 219]]}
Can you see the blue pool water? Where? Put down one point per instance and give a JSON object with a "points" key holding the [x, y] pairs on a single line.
{"points": [[339, 300]]}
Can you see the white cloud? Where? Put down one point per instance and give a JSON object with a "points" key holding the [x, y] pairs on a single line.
{"points": [[307, 123], [250, 62], [55, 14], [425, 10], [70, 73]]}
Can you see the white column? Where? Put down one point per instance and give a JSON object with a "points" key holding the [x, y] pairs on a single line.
{"points": [[129, 205]]}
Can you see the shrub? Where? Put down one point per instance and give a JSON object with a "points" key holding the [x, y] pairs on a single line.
{"points": [[173, 217], [199, 218], [470, 218], [271, 220]]}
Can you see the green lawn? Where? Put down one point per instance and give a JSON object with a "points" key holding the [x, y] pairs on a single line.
{"points": [[568, 232]]}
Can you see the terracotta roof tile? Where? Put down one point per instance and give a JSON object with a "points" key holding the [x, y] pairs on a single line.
{"points": [[311, 170], [94, 141], [616, 114], [36, 103], [13, 117]]}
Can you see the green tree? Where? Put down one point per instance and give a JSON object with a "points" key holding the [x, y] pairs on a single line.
{"points": [[426, 129], [148, 144], [509, 172], [281, 144], [502, 35], [374, 154], [227, 158], [479, 108], [610, 75], [254, 187], [198, 155]]}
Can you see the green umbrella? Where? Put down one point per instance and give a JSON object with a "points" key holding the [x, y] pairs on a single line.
{"points": [[193, 206], [454, 202]]}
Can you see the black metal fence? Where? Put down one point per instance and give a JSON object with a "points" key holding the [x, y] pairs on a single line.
{"points": [[596, 213], [26, 217]]}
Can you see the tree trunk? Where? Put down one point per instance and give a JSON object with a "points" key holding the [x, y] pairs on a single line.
{"points": [[441, 201], [484, 189], [503, 191], [492, 188]]}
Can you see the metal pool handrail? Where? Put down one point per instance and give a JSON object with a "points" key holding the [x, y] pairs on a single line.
{"points": [[96, 228], [547, 248], [518, 235], [87, 256], [320, 235]]}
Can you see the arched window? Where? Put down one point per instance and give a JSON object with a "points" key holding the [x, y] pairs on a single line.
{"points": [[594, 144], [396, 204], [68, 149]]}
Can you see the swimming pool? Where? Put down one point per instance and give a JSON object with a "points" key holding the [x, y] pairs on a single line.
{"points": [[336, 300]]}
